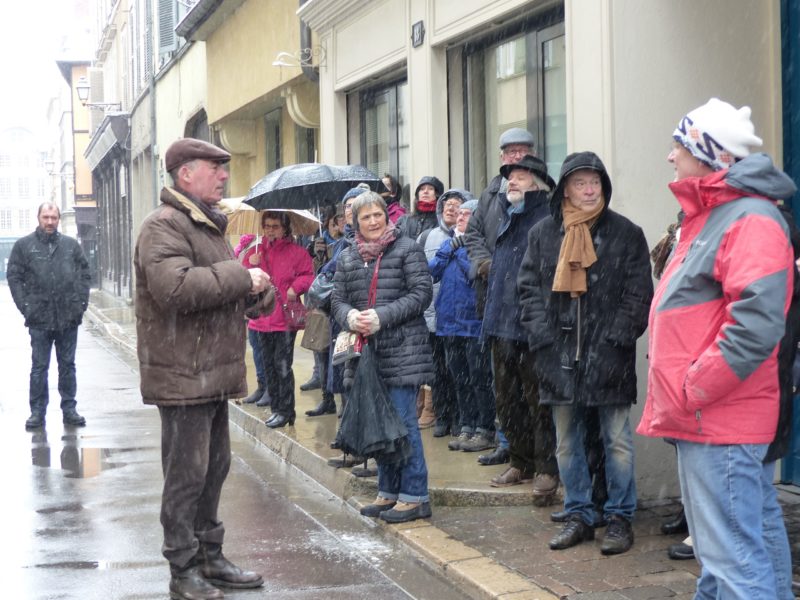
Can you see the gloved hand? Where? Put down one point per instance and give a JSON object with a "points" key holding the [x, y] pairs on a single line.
{"points": [[352, 319], [483, 269], [457, 242], [369, 320]]}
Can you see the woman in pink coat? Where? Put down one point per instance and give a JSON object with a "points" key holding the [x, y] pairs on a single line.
{"points": [[289, 266]]}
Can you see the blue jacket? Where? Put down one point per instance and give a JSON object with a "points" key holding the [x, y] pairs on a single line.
{"points": [[501, 316], [456, 309]]}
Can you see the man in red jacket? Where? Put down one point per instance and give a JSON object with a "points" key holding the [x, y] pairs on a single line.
{"points": [[716, 320]]}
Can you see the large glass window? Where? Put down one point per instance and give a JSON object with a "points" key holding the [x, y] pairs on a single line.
{"points": [[272, 124], [517, 82], [385, 131]]}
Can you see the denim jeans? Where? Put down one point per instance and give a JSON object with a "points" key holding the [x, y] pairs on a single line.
{"points": [[42, 341], [472, 375], [405, 482], [735, 522], [615, 432], [258, 360]]}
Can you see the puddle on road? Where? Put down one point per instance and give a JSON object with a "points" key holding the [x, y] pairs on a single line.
{"points": [[96, 564], [77, 462]]}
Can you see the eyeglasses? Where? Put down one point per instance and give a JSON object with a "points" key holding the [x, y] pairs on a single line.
{"points": [[452, 204]]}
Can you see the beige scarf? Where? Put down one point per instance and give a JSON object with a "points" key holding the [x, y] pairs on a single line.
{"points": [[577, 249]]}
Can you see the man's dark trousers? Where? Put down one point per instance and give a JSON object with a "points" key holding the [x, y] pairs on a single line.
{"points": [[527, 424], [42, 341], [195, 458]]}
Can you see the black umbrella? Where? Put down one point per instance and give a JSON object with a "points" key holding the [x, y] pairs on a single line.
{"points": [[370, 425], [308, 185]]}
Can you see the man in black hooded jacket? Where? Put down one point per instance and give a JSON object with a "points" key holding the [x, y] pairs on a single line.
{"points": [[49, 280]]}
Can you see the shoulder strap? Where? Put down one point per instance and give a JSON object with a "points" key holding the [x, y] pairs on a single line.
{"points": [[373, 286]]}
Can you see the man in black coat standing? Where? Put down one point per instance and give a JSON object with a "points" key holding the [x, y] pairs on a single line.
{"points": [[585, 290], [49, 280]]}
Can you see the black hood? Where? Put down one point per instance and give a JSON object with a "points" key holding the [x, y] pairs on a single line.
{"points": [[576, 162], [429, 180]]}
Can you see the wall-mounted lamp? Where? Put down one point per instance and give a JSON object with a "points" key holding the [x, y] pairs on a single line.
{"points": [[82, 89], [305, 57]]}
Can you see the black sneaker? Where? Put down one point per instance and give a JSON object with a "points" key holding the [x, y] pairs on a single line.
{"points": [[618, 537]]}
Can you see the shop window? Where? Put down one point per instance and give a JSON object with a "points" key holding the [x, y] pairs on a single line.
{"points": [[305, 145], [385, 131], [519, 81]]}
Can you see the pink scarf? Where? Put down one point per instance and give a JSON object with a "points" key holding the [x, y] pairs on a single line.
{"points": [[370, 250]]}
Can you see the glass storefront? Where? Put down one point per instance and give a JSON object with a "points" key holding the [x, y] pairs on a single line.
{"points": [[517, 82]]}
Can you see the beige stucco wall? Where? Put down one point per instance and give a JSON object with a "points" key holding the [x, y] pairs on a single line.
{"points": [[241, 52], [624, 102]]}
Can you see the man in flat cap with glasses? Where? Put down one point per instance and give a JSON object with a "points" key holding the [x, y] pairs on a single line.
{"points": [[191, 298]]}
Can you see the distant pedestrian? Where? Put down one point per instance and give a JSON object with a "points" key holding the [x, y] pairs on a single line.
{"points": [[49, 280], [393, 196], [526, 423], [423, 208], [716, 323], [191, 298], [585, 289]]}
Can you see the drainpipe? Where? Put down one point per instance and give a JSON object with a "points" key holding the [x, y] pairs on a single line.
{"points": [[305, 42], [152, 93]]}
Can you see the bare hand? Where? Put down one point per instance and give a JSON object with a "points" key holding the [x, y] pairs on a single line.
{"points": [[254, 259], [291, 296], [260, 280]]}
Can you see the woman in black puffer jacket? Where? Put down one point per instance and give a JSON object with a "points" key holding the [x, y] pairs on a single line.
{"points": [[398, 335]]}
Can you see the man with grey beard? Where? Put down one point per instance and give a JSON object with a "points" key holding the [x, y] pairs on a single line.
{"points": [[528, 426]]}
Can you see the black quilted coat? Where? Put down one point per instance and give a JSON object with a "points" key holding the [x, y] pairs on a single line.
{"points": [[404, 290]]}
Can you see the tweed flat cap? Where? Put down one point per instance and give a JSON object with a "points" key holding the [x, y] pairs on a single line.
{"points": [[186, 149], [516, 135]]}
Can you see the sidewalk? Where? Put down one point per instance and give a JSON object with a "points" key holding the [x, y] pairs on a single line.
{"points": [[491, 542]]}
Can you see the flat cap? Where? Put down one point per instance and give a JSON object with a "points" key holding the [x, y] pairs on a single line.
{"points": [[516, 135], [186, 149]]}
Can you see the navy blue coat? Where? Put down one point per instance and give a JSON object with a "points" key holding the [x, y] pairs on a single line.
{"points": [[456, 311], [502, 312]]}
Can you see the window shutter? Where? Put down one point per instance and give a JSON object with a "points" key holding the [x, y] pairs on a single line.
{"points": [[167, 18]]}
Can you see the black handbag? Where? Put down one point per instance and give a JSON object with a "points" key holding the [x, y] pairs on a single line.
{"points": [[319, 294]]}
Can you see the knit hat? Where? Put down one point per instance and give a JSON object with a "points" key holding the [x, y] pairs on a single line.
{"points": [[717, 133], [356, 191], [469, 205]]}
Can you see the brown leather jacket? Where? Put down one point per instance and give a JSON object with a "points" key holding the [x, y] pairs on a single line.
{"points": [[191, 295]]}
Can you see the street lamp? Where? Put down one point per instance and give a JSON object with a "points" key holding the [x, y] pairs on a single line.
{"points": [[82, 89]]}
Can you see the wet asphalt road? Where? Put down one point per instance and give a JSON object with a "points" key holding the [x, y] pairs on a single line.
{"points": [[81, 505]]}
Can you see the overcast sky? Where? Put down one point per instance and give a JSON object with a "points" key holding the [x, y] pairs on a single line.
{"points": [[33, 35]]}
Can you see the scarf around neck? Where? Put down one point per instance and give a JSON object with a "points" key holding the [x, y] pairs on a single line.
{"points": [[212, 212], [426, 206], [370, 250], [577, 249]]}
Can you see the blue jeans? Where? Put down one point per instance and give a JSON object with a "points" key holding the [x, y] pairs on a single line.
{"points": [[472, 376], [615, 432], [735, 521], [406, 482], [42, 342], [261, 374]]}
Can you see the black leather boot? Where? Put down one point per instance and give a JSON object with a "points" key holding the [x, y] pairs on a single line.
{"points": [[264, 400], [255, 396], [326, 407], [220, 571], [188, 583], [676, 524], [35, 421]]}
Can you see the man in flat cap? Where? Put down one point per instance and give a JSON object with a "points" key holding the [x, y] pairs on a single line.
{"points": [[191, 297]]}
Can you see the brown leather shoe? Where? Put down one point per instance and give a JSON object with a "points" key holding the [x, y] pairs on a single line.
{"points": [[511, 476], [544, 484]]}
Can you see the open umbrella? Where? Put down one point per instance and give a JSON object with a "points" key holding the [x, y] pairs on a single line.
{"points": [[243, 218], [309, 185]]}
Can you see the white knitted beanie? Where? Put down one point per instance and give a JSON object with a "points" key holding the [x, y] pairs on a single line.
{"points": [[717, 133]]}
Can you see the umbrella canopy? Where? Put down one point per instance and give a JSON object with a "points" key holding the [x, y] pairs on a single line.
{"points": [[309, 185], [243, 218]]}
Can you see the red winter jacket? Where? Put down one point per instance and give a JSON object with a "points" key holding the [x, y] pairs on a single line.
{"points": [[719, 310], [289, 266]]}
